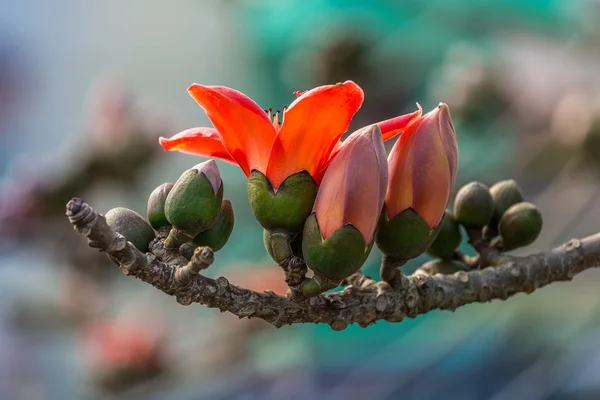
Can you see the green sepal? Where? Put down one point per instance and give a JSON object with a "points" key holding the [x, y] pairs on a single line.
{"points": [[474, 205], [284, 209], [156, 208], [218, 234], [520, 225], [448, 238], [337, 257], [192, 205], [505, 194], [444, 267], [131, 225], [405, 236]]}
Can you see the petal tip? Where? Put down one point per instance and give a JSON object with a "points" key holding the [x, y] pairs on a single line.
{"points": [[165, 143]]}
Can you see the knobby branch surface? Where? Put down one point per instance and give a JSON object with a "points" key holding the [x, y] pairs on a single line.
{"points": [[363, 301]]}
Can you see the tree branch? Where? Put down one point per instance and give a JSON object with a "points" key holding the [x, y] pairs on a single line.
{"points": [[364, 301]]}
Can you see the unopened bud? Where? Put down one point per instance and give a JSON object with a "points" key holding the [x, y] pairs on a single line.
{"points": [[474, 205], [505, 194], [338, 236], [131, 225], [218, 234], [448, 238], [194, 203], [156, 207], [520, 225]]}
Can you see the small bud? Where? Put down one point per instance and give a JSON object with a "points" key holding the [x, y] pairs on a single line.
{"points": [[284, 208], [505, 194], [218, 234], [156, 207], [444, 267], [131, 225], [520, 225], [338, 236], [474, 206], [448, 238], [194, 202]]}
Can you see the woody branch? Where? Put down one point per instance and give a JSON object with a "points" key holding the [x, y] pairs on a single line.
{"points": [[362, 301]]}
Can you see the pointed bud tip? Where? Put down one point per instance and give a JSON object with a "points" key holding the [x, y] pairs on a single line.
{"points": [[211, 171]]}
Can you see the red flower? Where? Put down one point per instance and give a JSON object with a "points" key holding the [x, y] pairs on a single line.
{"points": [[307, 138]]}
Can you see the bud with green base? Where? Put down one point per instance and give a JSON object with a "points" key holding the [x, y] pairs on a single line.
{"points": [[520, 225], [194, 203], [422, 165], [132, 226], [338, 236], [505, 194], [156, 209], [474, 206], [448, 238]]}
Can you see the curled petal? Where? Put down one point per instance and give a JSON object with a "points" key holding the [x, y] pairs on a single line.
{"points": [[245, 130], [312, 126], [198, 141], [393, 126]]}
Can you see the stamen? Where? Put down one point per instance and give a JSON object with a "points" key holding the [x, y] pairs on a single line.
{"points": [[299, 93], [276, 123]]}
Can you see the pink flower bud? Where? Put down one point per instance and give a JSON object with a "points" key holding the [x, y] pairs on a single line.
{"points": [[422, 167], [211, 171], [353, 187]]}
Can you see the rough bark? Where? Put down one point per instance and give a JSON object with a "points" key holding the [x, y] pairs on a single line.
{"points": [[363, 300]]}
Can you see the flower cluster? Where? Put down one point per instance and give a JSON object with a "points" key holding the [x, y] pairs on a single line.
{"points": [[324, 200]]}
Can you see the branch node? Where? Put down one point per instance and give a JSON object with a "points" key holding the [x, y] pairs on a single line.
{"points": [[202, 258]]}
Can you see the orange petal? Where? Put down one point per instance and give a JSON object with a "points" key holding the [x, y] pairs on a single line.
{"points": [[199, 141], [245, 130], [312, 126], [393, 126]]}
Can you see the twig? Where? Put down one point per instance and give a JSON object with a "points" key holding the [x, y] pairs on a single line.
{"points": [[366, 304]]}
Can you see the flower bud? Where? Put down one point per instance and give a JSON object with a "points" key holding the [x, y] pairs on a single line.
{"points": [[444, 267], [131, 225], [218, 234], [520, 225], [474, 205], [423, 165], [505, 194], [338, 235], [448, 238], [156, 207], [194, 203], [284, 208]]}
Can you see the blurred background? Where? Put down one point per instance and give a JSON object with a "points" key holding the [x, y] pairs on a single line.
{"points": [[86, 88]]}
